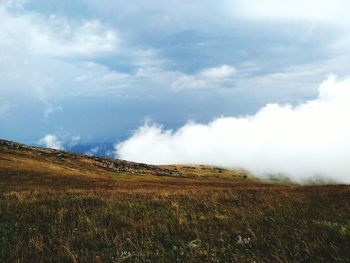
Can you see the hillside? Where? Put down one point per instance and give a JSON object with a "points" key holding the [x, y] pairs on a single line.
{"points": [[50, 160], [57, 206]]}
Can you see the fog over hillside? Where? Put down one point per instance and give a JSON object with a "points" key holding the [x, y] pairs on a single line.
{"points": [[307, 141]]}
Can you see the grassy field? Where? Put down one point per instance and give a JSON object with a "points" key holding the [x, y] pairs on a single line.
{"points": [[60, 210]]}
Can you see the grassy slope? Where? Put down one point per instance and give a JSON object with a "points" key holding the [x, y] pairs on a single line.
{"points": [[70, 210]]}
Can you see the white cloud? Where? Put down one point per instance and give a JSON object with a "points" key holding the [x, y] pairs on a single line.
{"points": [[93, 151], [329, 11], [51, 141], [207, 78], [64, 39], [41, 55], [310, 139], [54, 35], [189, 82], [221, 72]]}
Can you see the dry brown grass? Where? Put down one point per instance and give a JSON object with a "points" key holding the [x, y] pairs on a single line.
{"points": [[54, 210]]}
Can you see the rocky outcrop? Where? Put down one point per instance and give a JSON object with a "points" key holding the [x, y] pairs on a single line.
{"points": [[113, 165], [131, 167]]}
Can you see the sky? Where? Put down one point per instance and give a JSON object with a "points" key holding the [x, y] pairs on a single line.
{"points": [[83, 70]]}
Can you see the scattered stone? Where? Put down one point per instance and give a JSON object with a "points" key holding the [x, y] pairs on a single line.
{"points": [[195, 243], [113, 165], [243, 240]]}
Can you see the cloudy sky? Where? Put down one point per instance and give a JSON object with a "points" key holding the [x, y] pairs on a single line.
{"points": [[96, 70]]}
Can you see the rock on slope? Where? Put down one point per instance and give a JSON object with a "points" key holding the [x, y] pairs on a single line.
{"points": [[58, 156]]}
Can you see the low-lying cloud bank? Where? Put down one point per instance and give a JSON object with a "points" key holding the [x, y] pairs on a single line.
{"points": [[51, 141], [304, 142]]}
